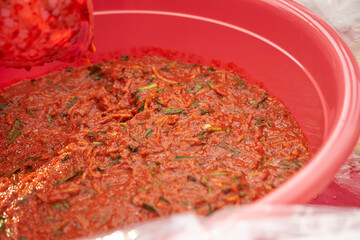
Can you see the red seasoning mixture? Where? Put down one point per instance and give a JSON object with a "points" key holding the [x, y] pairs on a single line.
{"points": [[101, 147]]}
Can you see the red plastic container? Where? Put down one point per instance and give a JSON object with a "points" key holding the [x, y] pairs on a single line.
{"points": [[296, 56]]}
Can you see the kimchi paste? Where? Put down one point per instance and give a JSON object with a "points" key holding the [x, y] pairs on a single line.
{"points": [[101, 147]]}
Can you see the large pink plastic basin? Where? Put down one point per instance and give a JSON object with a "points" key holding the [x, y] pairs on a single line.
{"points": [[296, 56]]}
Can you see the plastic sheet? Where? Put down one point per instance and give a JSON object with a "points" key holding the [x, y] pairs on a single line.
{"points": [[342, 15], [349, 175], [251, 223]]}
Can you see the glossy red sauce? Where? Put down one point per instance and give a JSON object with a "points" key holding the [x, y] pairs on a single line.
{"points": [[101, 147]]}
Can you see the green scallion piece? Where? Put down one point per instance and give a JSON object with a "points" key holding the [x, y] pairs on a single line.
{"points": [[164, 199], [64, 158], [219, 174], [30, 112], [197, 87], [133, 149], [72, 102], [149, 208], [142, 107], [136, 99], [69, 69], [158, 102], [204, 75], [240, 81], [148, 132], [124, 58], [234, 179], [94, 69], [68, 178], [211, 209], [140, 190], [15, 135], [211, 84], [183, 157], [263, 100], [2, 223], [18, 123], [116, 159], [290, 164], [194, 105], [15, 132], [97, 77], [151, 86], [203, 112], [191, 178], [187, 66], [205, 178], [172, 111]]}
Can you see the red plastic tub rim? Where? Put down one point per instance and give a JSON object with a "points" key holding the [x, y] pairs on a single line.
{"points": [[339, 143]]}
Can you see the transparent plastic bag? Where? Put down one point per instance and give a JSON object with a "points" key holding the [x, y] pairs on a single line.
{"points": [[342, 15], [251, 223]]}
